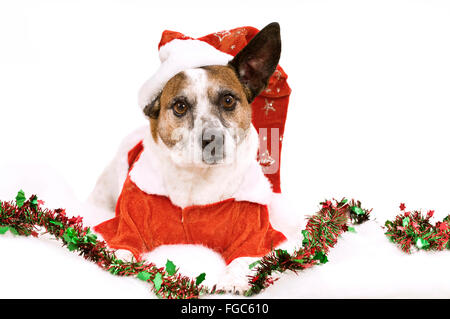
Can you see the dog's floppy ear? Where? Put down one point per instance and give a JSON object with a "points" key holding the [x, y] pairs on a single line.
{"points": [[257, 61], [152, 109]]}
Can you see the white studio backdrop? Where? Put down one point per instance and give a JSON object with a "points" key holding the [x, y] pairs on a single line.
{"points": [[368, 117]]}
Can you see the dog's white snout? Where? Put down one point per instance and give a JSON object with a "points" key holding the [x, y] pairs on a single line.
{"points": [[211, 134], [212, 141]]}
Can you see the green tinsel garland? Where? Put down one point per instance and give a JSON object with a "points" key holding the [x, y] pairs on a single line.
{"points": [[28, 217], [321, 234], [413, 229]]}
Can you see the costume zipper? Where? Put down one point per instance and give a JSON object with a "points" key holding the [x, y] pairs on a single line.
{"points": [[186, 232]]}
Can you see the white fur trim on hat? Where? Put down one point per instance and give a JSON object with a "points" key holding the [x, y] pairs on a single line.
{"points": [[176, 56]]}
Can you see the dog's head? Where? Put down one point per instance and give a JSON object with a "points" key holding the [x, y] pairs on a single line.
{"points": [[203, 115]]}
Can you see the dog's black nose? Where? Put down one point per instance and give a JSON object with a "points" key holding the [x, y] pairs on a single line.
{"points": [[212, 142], [207, 141], [211, 136]]}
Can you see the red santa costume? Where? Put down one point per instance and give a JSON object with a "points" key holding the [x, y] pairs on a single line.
{"points": [[146, 218]]}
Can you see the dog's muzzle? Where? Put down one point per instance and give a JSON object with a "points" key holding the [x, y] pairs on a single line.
{"points": [[212, 142]]}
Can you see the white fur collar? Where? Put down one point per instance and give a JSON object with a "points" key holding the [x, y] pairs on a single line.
{"points": [[147, 174]]}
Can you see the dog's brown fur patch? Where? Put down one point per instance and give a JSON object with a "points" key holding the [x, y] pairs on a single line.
{"points": [[162, 126], [224, 78]]}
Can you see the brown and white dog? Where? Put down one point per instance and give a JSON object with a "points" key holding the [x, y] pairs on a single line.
{"points": [[200, 148]]}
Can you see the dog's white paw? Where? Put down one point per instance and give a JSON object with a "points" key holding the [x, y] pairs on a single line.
{"points": [[235, 278], [124, 255], [190, 260]]}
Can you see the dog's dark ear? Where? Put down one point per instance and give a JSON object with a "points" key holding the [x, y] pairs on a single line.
{"points": [[257, 61], [152, 109]]}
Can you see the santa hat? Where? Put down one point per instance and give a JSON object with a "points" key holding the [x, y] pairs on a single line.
{"points": [[178, 52]]}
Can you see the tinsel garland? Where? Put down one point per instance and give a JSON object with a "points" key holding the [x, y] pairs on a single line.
{"points": [[28, 217], [321, 234], [413, 229]]}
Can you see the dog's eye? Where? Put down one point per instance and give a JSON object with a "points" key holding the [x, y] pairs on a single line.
{"points": [[228, 102], [180, 108]]}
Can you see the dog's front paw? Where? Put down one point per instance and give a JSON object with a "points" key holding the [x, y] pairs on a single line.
{"points": [[235, 278], [124, 255]]}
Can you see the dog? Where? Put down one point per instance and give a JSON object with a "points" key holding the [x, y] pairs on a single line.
{"points": [[199, 149]]}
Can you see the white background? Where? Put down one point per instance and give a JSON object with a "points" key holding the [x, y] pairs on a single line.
{"points": [[368, 118]]}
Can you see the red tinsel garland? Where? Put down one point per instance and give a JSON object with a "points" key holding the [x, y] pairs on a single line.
{"points": [[28, 217], [321, 234], [413, 229]]}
